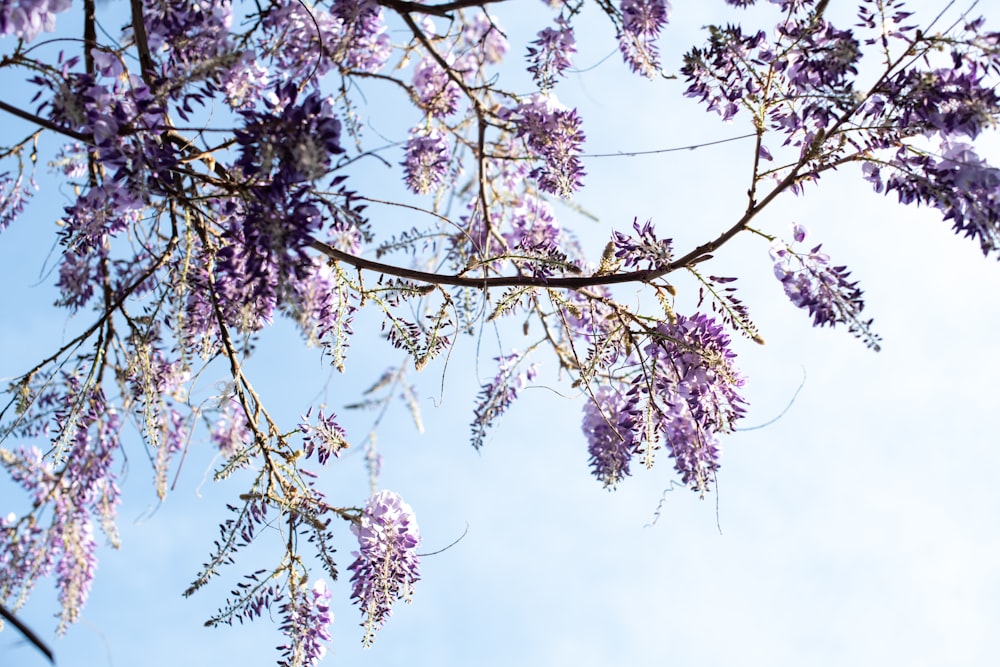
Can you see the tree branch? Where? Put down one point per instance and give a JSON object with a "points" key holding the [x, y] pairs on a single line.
{"points": [[443, 9]]}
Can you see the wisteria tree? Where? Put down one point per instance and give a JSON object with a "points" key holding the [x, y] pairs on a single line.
{"points": [[212, 151]]}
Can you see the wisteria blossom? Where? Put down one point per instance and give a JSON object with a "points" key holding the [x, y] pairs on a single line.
{"points": [[609, 430], [14, 195], [811, 282], [553, 133], [642, 21], [306, 622], [364, 44], [427, 158], [246, 82], [496, 396], [551, 54], [694, 396], [482, 43], [324, 437], [26, 19], [642, 248], [437, 93], [386, 565]]}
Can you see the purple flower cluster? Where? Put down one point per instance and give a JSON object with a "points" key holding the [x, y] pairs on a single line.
{"points": [[481, 43], [686, 393], [120, 114], [266, 250], [642, 21], [25, 19], [364, 44], [643, 247], [230, 433], [957, 100], [958, 182], [305, 43], [158, 384], [241, 285], [552, 133], [609, 432], [719, 75], [816, 69], [187, 35], [23, 547], [100, 213], [78, 273], [694, 394], [298, 41], [82, 490], [533, 224], [804, 79], [437, 94], [825, 291], [289, 142], [427, 158], [326, 438], [318, 303], [14, 197], [306, 622], [496, 396], [386, 566], [245, 83], [551, 54]]}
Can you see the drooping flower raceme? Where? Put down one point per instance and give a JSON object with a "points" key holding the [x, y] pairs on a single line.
{"points": [[365, 43], [609, 431], [386, 566], [307, 620], [25, 19], [954, 179], [551, 54], [496, 396], [695, 393], [437, 93], [13, 197], [292, 141], [553, 133], [824, 290], [426, 163], [83, 490], [188, 35], [642, 21], [686, 393]]}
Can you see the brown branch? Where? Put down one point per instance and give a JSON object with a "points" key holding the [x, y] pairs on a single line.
{"points": [[443, 9], [142, 43], [89, 35], [26, 631], [44, 122]]}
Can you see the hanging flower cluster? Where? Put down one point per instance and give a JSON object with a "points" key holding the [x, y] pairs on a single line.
{"points": [[386, 566], [307, 620], [642, 21], [824, 290]]}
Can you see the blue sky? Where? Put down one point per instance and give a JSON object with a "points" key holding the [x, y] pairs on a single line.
{"points": [[860, 528]]}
